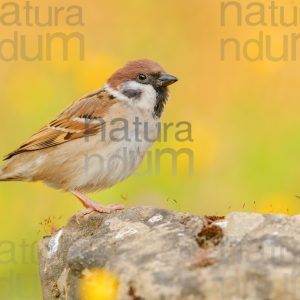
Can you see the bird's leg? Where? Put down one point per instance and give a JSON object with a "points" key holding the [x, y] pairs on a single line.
{"points": [[91, 206]]}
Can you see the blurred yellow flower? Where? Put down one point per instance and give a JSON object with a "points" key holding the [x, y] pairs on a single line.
{"points": [[98, 284]]}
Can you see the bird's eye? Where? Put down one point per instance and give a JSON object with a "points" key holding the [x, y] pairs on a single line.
{"points": [[142, 77]]}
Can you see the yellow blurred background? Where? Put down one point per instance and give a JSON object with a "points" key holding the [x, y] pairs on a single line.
{"points": [[244, 115]]}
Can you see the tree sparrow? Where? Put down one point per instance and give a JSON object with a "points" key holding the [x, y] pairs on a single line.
{"points": [[96, 143]]}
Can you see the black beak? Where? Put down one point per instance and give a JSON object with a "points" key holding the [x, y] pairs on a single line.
{"points": [[166, 79]]}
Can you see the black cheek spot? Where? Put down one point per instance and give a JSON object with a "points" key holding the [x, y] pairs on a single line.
{"points": [[130, 93]]}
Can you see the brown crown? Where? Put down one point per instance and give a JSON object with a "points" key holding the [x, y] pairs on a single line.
{"points": [[132, 69]]}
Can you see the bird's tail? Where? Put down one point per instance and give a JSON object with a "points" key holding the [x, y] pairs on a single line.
{"points": [[7, 173], [7, 177], [2, 175]]}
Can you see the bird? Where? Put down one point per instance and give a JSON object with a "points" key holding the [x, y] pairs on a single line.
{"points": [[100, 139]]}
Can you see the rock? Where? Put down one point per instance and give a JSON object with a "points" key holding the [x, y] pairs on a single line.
{"points": [[159, 254]]}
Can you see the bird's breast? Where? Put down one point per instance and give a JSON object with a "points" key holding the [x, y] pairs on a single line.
{"points": [[118, 151]]}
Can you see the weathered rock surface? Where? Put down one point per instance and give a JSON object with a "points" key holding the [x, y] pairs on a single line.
{"points": [[159, 254]]}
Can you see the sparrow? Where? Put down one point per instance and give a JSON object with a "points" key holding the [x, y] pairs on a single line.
{"points": [[100, 139]]}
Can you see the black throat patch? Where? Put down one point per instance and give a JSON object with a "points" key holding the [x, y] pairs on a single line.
{"points": [[161, 100]]}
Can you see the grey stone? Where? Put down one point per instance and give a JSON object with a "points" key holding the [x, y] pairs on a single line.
{"points": [[159, 254]]}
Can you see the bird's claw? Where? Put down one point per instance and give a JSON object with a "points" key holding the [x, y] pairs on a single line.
{"points": [[97, 208]]}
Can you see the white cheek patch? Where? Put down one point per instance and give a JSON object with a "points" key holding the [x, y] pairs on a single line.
{"points": [[147, 98], [116, 93]]}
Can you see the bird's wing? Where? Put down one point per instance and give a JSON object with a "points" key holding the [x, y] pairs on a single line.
{"points": [[83, 118]]}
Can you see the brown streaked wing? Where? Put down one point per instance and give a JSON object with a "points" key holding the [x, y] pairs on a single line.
{"points": [[91, 109]]}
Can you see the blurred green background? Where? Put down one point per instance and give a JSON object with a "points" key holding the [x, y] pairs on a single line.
{"points": [[244, 116]]}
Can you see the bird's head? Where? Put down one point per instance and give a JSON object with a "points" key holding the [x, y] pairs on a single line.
{"points": [[143, 83]]}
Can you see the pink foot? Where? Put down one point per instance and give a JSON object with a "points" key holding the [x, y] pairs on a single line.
{"points": [[91, 206]]}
